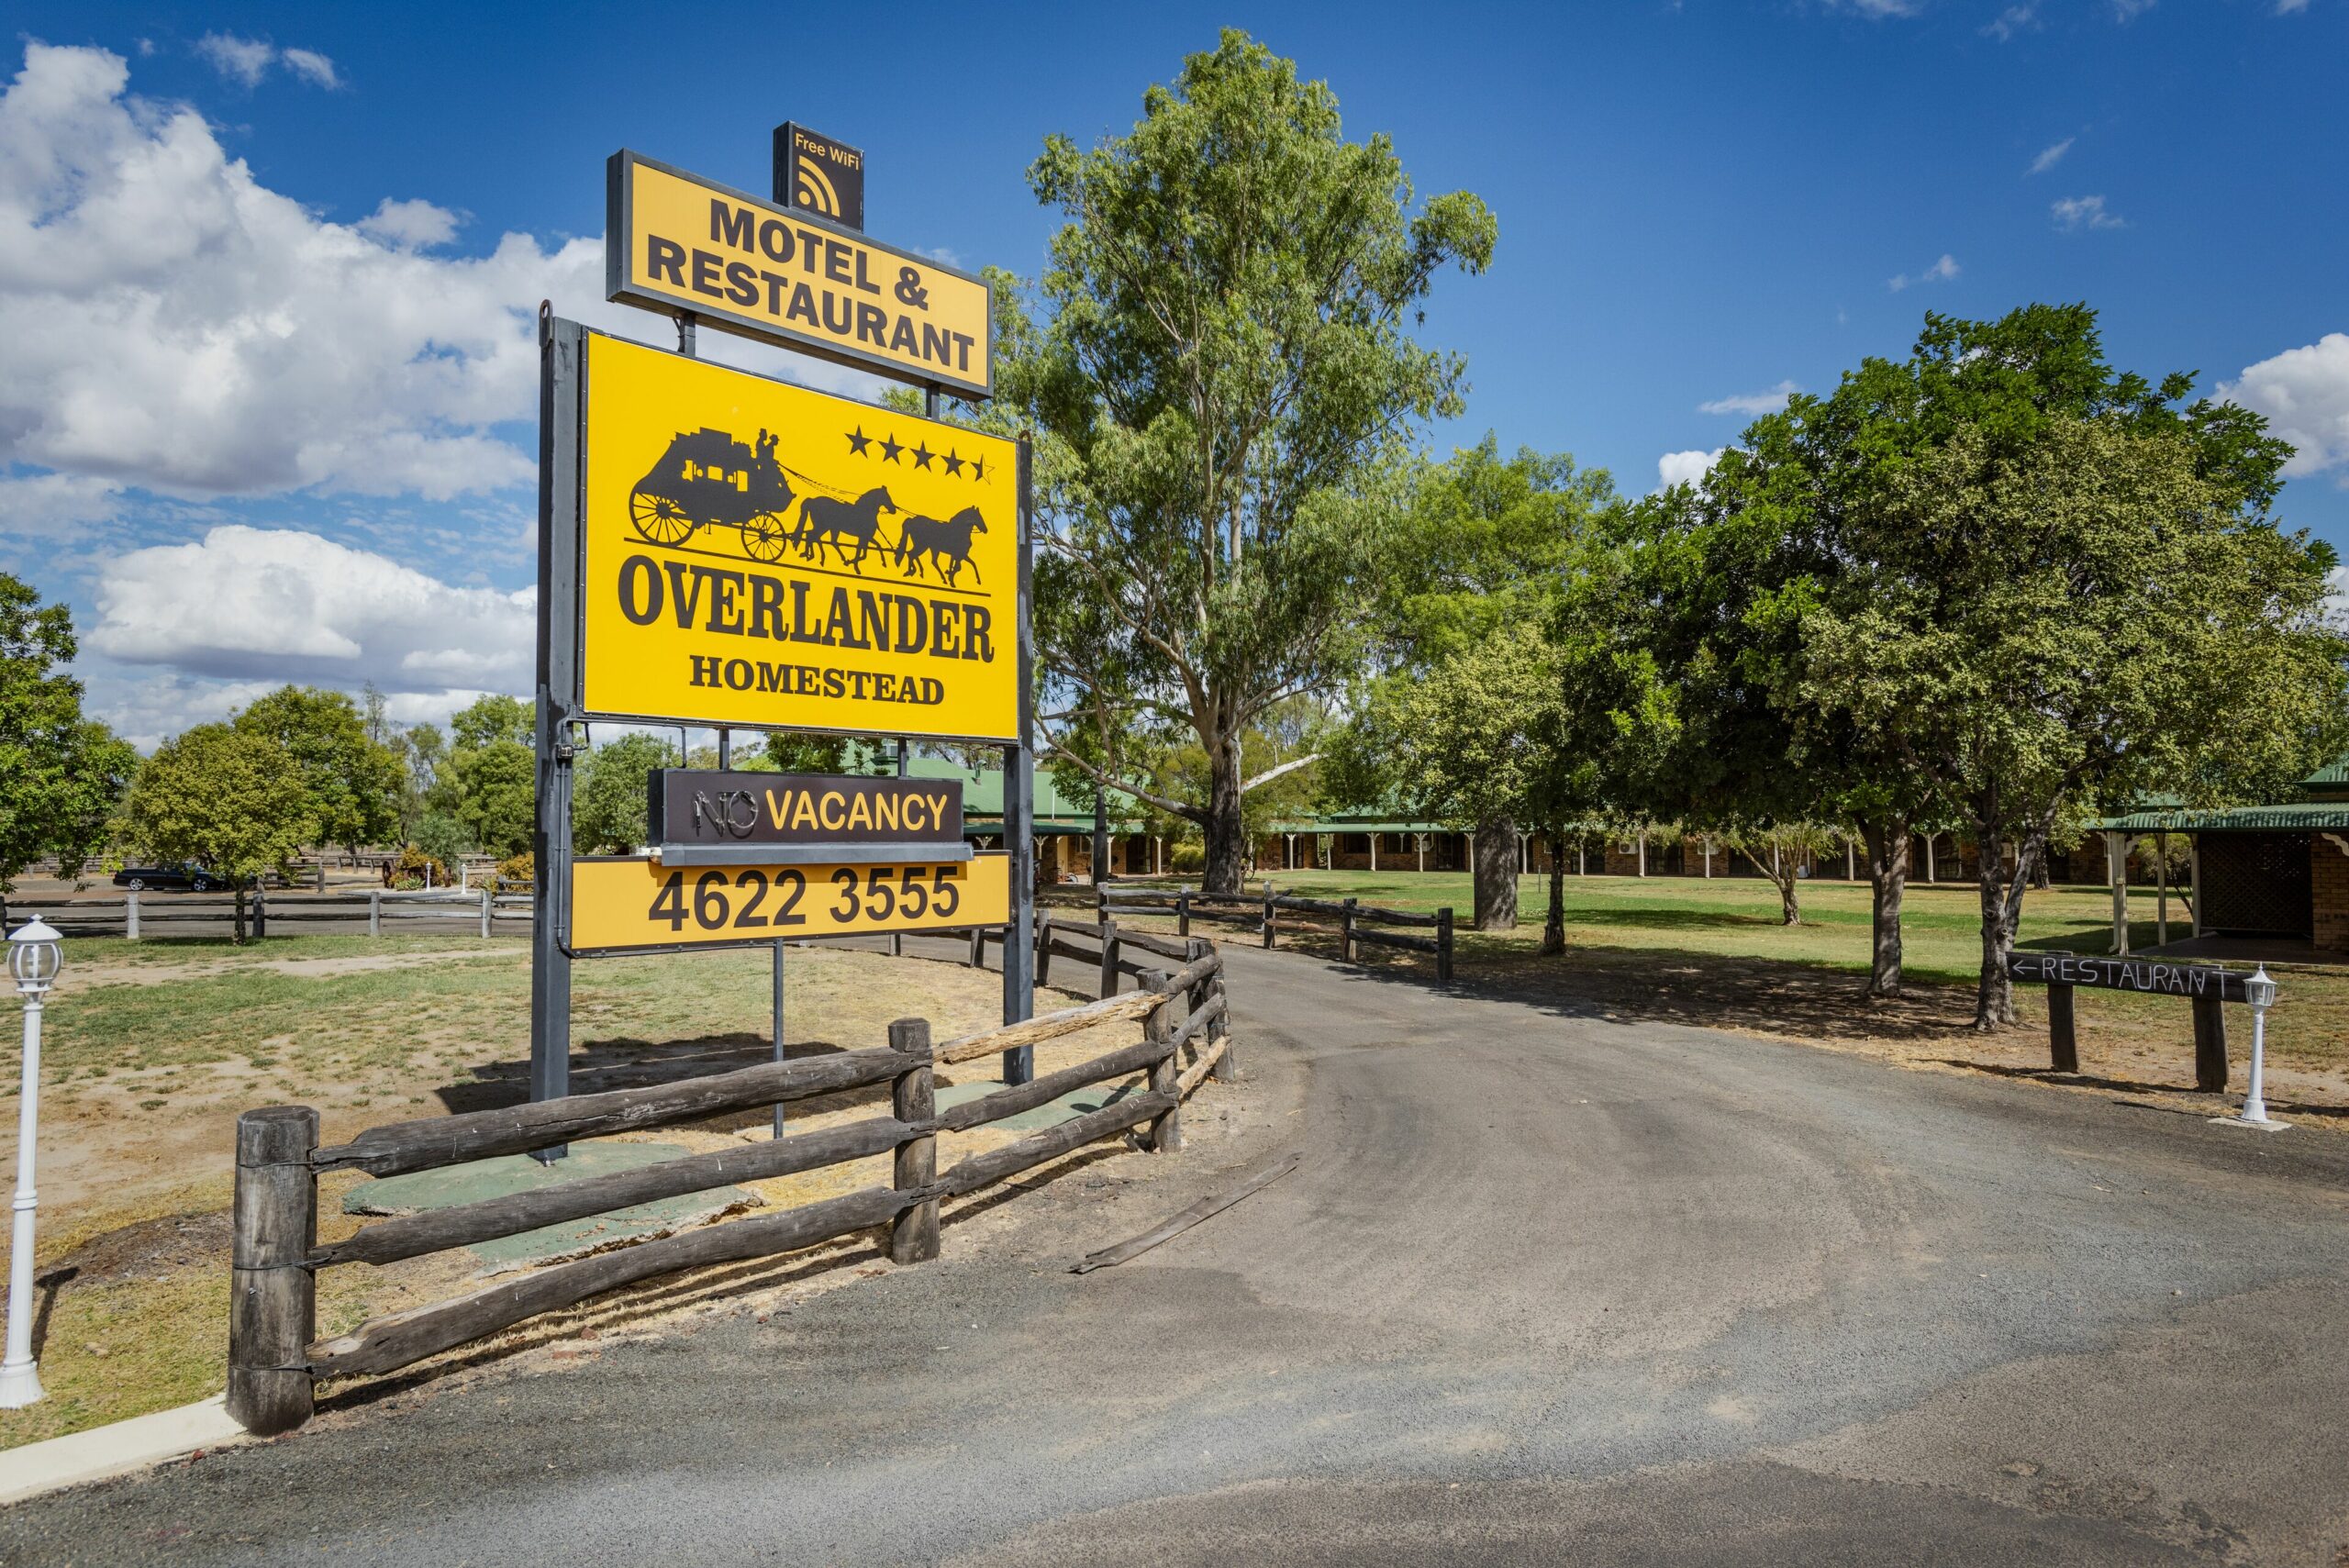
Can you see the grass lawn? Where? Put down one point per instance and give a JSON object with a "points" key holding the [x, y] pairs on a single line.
{"points": [[152, 1048], [1713, 952]]}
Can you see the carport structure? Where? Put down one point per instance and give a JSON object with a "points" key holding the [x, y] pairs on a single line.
{"points": [[2273, 871]]}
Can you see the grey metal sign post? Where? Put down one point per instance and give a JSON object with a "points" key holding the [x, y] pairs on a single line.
{"points": [[557, 671], [1020, 801]]}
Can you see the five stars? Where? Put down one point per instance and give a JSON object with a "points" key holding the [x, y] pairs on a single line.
{"points": [[952, 461]]}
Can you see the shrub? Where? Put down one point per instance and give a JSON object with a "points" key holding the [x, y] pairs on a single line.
{"points": [[1187, 858], [408, 871], [517, 869]]}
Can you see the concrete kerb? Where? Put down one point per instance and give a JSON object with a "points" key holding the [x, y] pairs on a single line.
{"points": [[120, 1448]]}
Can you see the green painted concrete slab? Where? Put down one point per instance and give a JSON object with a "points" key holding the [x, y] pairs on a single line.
{"points": [[469, 1183], [1051, 1113]]}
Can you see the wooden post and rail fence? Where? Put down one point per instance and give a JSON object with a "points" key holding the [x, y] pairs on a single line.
{"points": [[139, 915], [276, 1362], [1357, 923]]}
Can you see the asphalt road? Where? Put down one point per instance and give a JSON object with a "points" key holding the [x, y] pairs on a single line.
{"points": [[1545, 1288]]}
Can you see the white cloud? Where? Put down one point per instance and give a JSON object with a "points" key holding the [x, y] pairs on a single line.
{"points": [[1879, 8], [246, 61], [1940, 272], [2288, 7], [2084, 212], [55, 506], [275, 605], [173, 325], [2012, 20], [312, 67], [2129, 10], [410, 225], [2304, 392], [242, 60], [1684, 468], [2050, 156], [1768, 402]]}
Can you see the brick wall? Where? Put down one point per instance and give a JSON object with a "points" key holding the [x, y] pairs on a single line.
{"points": [[2329, 892]]}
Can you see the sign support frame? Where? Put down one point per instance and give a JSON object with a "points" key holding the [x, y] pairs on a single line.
{"points": [[561, 354], [1020, 800]]}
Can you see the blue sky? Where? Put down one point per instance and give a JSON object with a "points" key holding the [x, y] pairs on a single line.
{"points": [[1699, 204]]}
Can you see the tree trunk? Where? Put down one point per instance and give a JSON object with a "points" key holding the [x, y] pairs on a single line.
{"points": [[1553, 924], [240, 915], [1789, 897], [1494, 853], [1888, 842], [1226, 835], [1994, 995]]}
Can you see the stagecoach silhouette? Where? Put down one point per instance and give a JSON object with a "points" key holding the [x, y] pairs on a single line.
{"points": [[707, 479]]}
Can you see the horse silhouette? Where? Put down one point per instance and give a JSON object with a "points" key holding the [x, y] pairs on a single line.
{"points": [[823, 520], [947, 544]]}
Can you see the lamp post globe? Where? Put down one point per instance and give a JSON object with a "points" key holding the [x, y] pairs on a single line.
{"points": [[35, 955]]}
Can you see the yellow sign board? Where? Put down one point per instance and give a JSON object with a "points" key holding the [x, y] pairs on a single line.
{"points": [[621, 904], [760, 555], [676, 242]]}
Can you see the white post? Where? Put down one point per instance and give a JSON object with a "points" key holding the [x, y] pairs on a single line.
{"points": [[1709, 854], [2115, 865], [19, 1376], [1582, 859], [1374, 851], [1643, 854], [1851, 861], [130, 916], [2161, 889], [1930, 873], [375, 911], [484, 912]]}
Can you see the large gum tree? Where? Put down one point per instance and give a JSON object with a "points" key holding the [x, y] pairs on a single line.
{"points": [[1221, 376]]}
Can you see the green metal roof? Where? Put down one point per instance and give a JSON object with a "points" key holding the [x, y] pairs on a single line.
{"points": [[2320, 817]]}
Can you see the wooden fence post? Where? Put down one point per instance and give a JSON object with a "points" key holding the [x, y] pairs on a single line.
{"points": [[913, 1235], [1043, 948], [1182, 913], [1268, 916], [273, 1304], [1165, 1135], [260, 914], [375, 911], [1444, 945], [1346, 932], [130, 916], [2063, 1036], [2209, 1044], [1109, 957]]}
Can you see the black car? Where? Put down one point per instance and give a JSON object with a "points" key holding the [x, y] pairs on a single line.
{"points": [[195, 878]]}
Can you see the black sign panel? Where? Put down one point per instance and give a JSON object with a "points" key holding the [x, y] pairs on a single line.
{"points": [[2190, 979], [706, 816], [820, 174]]}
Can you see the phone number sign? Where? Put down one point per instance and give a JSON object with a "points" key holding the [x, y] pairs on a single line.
{"points": [[625, 905]]}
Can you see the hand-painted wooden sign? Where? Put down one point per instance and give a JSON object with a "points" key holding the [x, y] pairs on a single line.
{"points": [[2195, 981]]}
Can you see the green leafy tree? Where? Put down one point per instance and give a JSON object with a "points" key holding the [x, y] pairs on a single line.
{"points": [[1223, 371], [62, 775], [354, 780], [2052, 627], [1487, 544], [495, 787], [230, 800], [489, 719], [608, 803], [443, 838]]}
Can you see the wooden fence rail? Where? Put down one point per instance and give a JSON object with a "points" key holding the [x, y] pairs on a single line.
{"points": [[1357, 922], [273, 1362], [135, 913]]}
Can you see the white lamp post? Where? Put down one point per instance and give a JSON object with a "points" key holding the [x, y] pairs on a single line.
{"points": [[34, 955], [2260, 991]]}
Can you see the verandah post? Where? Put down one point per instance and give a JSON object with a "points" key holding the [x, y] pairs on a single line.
{"points": [[273, 1297], [913, 1235]]}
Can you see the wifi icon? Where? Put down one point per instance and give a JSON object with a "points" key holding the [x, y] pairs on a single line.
{"points": [[820, 174]]}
